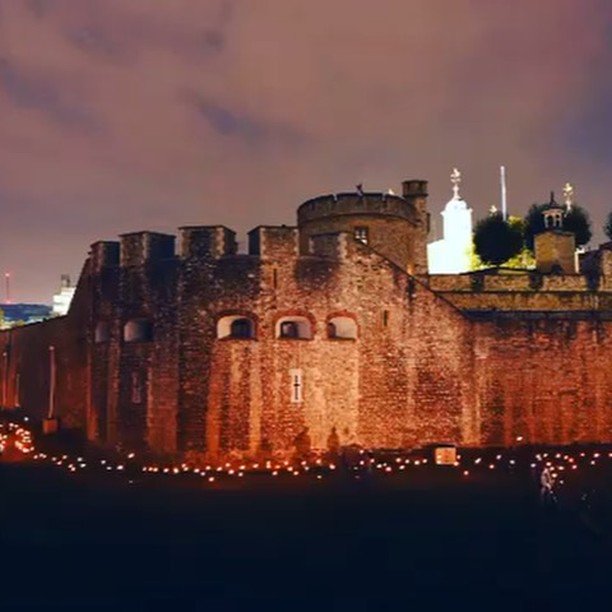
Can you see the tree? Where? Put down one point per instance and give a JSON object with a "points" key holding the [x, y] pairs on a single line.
{"points": [[576, 220], [608, 226], [534, 223], [496, 240]]}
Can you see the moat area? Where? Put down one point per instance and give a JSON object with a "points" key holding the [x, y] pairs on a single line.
{"points": [[104, 539]]}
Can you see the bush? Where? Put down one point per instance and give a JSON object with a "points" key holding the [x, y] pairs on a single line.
{"points": [[496, 240]]}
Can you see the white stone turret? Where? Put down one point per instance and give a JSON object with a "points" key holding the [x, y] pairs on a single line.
{"points": [[451, 255]]}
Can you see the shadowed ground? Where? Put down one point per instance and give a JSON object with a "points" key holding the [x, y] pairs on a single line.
{"points": [[93, 542]]}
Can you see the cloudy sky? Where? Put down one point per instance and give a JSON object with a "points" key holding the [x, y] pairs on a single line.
{"points": [[119, 115]]}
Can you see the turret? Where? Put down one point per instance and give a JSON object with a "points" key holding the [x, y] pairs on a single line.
{"points": [[555, 249], [394, 226]]}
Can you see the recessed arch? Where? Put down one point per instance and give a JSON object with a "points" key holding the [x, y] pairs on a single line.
{"points": [[342, 326], [298, 326], [102, 332], [138, 330], [241, 326]]}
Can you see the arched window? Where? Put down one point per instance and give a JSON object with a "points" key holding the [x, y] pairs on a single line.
{"points": [[102, 332], [294, 327], [553, 218], [138, 330], [235, 326], [342, 328]]}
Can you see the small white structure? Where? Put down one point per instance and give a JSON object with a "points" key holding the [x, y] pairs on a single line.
{"points": [[451, 254], [62, 300]]}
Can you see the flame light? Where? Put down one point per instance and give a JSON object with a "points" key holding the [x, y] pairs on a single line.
{"points": [[16, 439]]}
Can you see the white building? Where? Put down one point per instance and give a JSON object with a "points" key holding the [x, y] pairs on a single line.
{"points": [[62, 300], [452, 254]]}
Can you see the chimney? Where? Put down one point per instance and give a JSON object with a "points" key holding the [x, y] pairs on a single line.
{"points": [[414, 189]]}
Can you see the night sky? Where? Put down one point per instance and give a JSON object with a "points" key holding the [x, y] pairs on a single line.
{"points": [[121, 115]]}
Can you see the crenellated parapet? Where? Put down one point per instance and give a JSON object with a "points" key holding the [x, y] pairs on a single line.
{"points": [[334, 205], [104, 254], [207, 240], [138, 248], [268, 241]]}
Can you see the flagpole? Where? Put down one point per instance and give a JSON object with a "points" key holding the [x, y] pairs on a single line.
{"points": [[502, 170]]}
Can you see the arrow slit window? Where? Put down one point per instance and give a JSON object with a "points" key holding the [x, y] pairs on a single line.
{"points": [[296, 386]]}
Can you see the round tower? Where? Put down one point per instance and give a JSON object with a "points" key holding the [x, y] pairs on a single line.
{"points": [[394, 226]]}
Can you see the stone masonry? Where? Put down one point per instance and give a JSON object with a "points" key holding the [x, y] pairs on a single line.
{"points": [[202, 351]]}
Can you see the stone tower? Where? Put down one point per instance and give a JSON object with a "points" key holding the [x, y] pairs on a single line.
{"points": [[395, 226], [555, 249]]}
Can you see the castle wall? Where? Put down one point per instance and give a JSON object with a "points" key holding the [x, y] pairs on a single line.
{"points": [[25, 374], [473, 359], [546, 381], [530, 291], [404, 379]]}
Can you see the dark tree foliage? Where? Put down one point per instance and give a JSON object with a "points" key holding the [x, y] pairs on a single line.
{"points": [[496, 240], [608, 226], [534, 223], [576, 221]]}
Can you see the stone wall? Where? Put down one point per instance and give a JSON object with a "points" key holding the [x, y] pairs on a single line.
{"points": [[545, 381], [25, 375], [472, 359], [399, 383]]}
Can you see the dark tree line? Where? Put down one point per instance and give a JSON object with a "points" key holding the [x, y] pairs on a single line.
{"points": [[497, 240]]}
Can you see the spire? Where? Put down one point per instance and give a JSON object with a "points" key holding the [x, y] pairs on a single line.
{"points": [[568, 195], [455, 178]]}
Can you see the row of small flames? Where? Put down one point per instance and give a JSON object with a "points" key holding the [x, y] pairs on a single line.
{"points": [[558, 463]]}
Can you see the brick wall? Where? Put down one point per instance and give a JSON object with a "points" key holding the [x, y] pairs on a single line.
{"points": [[547, 381]]}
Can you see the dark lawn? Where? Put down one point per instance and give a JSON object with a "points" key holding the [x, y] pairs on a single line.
{"points": [[90, 542]]}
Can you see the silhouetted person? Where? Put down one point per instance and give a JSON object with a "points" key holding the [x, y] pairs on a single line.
{"points": [[547, 495], [265, 449], [302, 444], [333, 443]]}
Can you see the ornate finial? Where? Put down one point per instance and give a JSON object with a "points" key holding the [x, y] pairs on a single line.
{"points": [[552, 199], [568, 195], [455, 178], [359, 188]]}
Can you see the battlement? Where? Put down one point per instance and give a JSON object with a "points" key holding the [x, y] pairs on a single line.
{"points": [[201, 240], [268, 241], [508, 283], [104, 254], [138, 248], [371, 203]]}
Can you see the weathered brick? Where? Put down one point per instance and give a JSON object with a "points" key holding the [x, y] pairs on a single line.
{"points": [[476, 359]]}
